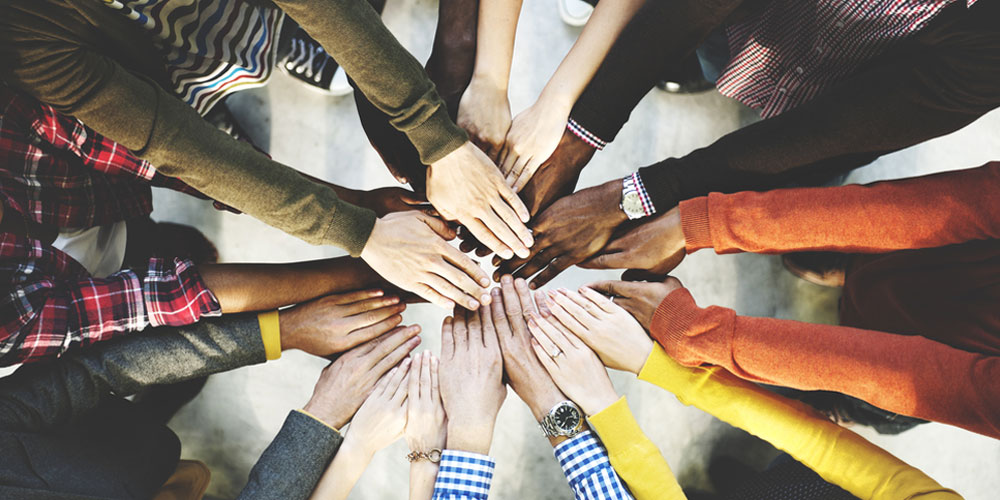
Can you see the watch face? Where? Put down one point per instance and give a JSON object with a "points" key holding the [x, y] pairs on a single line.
{"points": [[632, 205], [566, 418]]}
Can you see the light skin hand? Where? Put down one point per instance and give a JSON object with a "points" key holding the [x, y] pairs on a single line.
{"points": [[577, 371], [378, 423], [425, 423], [335, 323], [640, 299], [616, 337], [466, 186], [484, 112], [411, 250], [570, 231], [345, 384], [656, 247], [471, 378], [533, 137]]}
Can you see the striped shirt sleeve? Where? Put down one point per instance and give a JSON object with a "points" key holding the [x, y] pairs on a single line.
{"points": [[585, 462], [463, 476]]}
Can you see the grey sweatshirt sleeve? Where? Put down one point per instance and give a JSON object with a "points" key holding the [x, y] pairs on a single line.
{"points": [[40, 396], [292, 464]]}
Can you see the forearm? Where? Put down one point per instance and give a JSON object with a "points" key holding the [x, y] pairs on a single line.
{"points": [[343, 473], [585, 462], [929, 211], [495, 43], [422, 475], [634, 457], [837, 454], [259, 287], [582, 61], [910, 375]]}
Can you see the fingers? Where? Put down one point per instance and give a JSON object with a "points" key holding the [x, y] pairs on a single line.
{"points": [[498, 315], [602, 301], [382, 383], [411, 198], [541, 335], [511, 219], [543, 356], [425, 377], [393, 357], [475, 327], [468, 266], [509, 158], [531, 265], [435, 387], [512, 309], [568, 319], [466, 279], [514, 201], [502, 223], [368, 304], [397, 376], [542, 303], [615, 288], [555, 267], [582, 309], [355, 297], [460, 327], [489, 334], [372, 331], [449, 290], [413, 383], [431, 295], [438, 226], [611, 260], [485, 236], [368, 318], [526, 175], [515, 170], [448, 338]]}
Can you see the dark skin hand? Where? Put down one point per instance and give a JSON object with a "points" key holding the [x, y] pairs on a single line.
{"points": [[639, 298], [655, 247], [572, 230], [555, 179]]}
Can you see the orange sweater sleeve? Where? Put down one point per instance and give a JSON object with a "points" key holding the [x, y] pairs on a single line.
{"points": [[921, 212], [910, 375]]}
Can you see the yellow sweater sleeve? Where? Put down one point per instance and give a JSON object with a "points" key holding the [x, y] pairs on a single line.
{"points": [[838, 455], [270, 333], [634, 457]]}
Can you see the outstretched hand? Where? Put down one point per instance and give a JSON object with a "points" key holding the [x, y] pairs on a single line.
{"points": [[382, 417], [335, 323], [655, 247], [639, 298]]}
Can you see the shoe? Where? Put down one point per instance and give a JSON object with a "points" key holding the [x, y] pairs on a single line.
{"points": [[689, 87], [224, 120], [575, 12], [309, 63], [819, 268]]}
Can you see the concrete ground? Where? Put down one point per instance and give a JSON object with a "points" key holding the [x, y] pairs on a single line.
{"points": [[239, 412]]}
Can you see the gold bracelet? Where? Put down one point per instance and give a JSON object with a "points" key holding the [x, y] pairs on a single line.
{"points": [[433, 455]]}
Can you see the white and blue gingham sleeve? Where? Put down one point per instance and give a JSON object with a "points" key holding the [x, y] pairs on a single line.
{"points": [[463, 476], [585, 462]]}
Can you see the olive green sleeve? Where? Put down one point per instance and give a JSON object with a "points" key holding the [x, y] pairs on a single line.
{"points": [[390, 77], [161, 129]]}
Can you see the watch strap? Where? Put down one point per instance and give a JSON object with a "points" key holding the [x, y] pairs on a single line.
{"points": [[636, 202]]}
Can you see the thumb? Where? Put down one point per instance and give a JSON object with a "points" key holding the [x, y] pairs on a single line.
{"points": [[438, 226], [616, 260], [411, 198], [614, 288]]}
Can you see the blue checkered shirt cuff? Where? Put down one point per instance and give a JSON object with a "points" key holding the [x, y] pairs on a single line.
{"points": [[463, 476], [585, 462]]}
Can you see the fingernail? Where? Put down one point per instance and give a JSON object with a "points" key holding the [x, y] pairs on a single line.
{"points": [[522, 253], [506, 279], [379, 293], [449, 304], [529, 241], [496, 276], [393, 300], [473, 305], [485, 299], [484, 282], [506, 254], [532, 286], [406, 362], [495, 292]]}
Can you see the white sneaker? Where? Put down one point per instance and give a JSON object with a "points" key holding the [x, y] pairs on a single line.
{"points": [[340, 86], [575, 12]]}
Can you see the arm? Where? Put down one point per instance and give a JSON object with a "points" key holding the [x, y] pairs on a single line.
{"points": [[921, 212], [589, 470], [425, 425], [837, 454], [48, 315], [484, 111], [911, 375], [535, 132]]}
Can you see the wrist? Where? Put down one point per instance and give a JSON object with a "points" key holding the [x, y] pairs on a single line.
{"points": [[541, 403], [609, 201], [487, 80], [597, 402], [470, 438], [288, 326], [326, 412], [357, 448]]}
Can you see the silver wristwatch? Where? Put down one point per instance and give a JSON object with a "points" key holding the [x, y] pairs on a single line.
{"points": [[631, 202], [564, 419]]}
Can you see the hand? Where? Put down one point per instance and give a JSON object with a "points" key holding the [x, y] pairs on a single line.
{"points": [[656, 247], [410, 249], [484, 112], [616, 337], [534, 135], [465, 186], [425, 425], [471, 375], [575, 368], [393, 199], [346, 383], [569, 232], [335, 323], [640, 299], [382, 417], [525, 372]]}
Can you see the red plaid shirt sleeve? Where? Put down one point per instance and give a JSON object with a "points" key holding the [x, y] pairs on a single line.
{"points": [[45, 316]]}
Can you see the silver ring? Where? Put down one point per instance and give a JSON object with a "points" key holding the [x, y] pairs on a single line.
{"points": [[556, 355]]}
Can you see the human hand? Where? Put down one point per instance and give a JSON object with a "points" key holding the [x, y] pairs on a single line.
{"points": [[617, 338], [386, 200], [484, 112], [567, 233], [656, 247], [410, 249], [640, 299], [525, 372], [466, 186], [575, 368], [345, 384], [471, 377], [533, 137], [425, 418], [335, 323], [382, 417]]}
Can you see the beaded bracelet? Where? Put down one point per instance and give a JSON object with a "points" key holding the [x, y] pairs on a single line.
{"points": [[433, 455]]}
